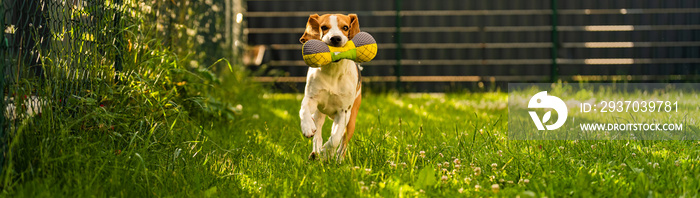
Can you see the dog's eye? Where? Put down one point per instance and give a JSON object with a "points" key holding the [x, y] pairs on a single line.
{"points": [[346, 28], [324, 28]]}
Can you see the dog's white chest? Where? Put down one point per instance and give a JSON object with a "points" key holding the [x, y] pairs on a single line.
{"points": [[331, 103], [334, 87]]}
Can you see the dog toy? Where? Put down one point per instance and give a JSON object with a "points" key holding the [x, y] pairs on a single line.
{"points": [[362, 48]]}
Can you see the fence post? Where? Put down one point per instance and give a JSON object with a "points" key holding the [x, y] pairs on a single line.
{"points": [[397, 37], [4, 45], [117, 40], [554, 75]]}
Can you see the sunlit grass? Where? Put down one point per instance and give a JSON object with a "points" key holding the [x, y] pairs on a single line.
{"points": [[414, 144], [465, 147], [172, 128]]}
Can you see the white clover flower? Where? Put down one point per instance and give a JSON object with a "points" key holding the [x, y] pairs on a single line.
{"points": [[477, 171], [495, 187]]}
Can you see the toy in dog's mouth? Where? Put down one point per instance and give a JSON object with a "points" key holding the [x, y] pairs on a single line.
{"points": [[362, 48]]}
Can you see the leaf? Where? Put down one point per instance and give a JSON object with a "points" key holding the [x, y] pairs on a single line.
{"points": [[426, 177], [210, 192], [638, 170], [546, 116], [527, 193]]}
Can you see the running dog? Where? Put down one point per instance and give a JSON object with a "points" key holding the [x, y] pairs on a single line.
{"points": [[333, 90]]}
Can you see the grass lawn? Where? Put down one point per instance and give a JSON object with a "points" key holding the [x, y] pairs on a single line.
{"points": [[465, 150], [414, 144]]}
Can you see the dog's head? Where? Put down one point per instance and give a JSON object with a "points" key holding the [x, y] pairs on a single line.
{"points": [[333, 29]]}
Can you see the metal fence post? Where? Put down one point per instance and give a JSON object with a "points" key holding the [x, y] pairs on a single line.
{"points": [[117, 40], [4, 45], [555, 40], [397, 37]]}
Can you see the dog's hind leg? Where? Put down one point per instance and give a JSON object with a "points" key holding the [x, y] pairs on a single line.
{"points": [[350, 128], [340, 123]]}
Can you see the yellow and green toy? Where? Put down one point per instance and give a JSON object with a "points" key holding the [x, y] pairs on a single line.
{"points": [[362, 48]]}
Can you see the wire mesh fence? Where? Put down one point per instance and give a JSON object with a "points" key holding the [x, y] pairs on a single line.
{"points": [[58, 56], [52, 51]]}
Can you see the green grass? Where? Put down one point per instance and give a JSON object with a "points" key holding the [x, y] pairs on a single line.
{"points": [[175, 129], [261, 151], [468, 127]]}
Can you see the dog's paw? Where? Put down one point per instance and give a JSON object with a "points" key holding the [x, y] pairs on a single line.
{"points": [[313, 156], [326, 153], [308, 129]]}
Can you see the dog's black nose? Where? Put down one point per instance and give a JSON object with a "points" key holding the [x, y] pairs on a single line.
{"points": [[336, 40]]}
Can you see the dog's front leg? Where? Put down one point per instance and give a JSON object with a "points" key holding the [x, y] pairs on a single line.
{"points": [[308, 125], [340, 123], [320, 118]]}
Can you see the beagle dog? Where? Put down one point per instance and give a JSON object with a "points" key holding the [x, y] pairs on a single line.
{"points": [[333, 90]]}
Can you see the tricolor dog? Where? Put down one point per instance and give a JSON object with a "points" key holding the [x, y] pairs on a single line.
{"points": [[333, 90]]}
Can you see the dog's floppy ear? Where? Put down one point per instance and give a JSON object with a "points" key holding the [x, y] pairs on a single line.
{"points": [[313, 29], [354, 26]]}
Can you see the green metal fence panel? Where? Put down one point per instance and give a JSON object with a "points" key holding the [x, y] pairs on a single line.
{"points": [[452, 44]]}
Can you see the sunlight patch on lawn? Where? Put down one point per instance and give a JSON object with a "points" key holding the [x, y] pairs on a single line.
{"points": [[281, 114]]}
